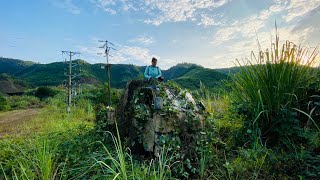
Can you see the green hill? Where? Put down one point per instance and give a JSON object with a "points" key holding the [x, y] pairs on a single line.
{"points": [[228, 71], [11, 85], [179, 70], [190, 77], [186, 75]]}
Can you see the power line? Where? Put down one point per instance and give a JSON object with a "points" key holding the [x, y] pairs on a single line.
{"points": [[107, 47], [70, 78]]}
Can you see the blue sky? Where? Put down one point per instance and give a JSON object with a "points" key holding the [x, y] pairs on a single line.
{"points": [[212, 33]]}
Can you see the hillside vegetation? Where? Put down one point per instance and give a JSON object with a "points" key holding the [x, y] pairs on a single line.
{"points": [[186, 75], [11, 84], [263, 123]]}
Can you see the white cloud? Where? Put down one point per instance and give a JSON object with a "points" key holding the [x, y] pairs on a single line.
{"points": [[143, 39], [68, 5], [239, 38], [161, 11], [105, 5], [178, 11], [135, 53], [242, 49], [124, 54], [248, 27], [130, 54], [208, 21], [299, 8]]}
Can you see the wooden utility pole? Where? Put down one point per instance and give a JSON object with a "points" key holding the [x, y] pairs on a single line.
{"points": [[107, 48], [70, 77]]}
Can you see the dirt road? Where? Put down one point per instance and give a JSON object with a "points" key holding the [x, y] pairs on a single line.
{"points": [[11, 121]]}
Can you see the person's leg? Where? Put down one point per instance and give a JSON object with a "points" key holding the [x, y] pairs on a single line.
{"points": [[160, 79]]}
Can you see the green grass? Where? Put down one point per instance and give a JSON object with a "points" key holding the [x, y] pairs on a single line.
{"points": [[273, 84], [58, 145], [276, 92], [23, 102], [34, 152]]}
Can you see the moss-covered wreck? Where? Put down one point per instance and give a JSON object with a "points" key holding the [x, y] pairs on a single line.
{"points": [[150, 110]]}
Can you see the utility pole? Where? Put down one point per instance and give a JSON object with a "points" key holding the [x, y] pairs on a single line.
{"points": [[70, 77], [107, 49]]}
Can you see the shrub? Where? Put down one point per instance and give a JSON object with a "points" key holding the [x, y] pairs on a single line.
{"points": [[24, 102], [3, 103], [45, 92], [100, 95], [271, 90]]}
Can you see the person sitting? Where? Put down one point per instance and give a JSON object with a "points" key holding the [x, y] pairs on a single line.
{"points": [[153, 72]]}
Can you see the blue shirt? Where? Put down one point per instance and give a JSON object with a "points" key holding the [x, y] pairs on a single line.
{"points": [[153, 72]]}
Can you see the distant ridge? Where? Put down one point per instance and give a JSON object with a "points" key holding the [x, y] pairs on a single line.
{"points": [[34, 74], [10, 85]]}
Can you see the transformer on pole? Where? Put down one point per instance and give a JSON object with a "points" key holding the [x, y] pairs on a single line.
{"points": [[107, 49], [71, 92]]}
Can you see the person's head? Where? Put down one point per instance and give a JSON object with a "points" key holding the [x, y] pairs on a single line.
{"points": [[154, 61]]}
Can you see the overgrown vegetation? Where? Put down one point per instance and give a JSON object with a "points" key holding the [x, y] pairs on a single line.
{"points": [[45, 92], [34, 74], [278, 93], [263, 125]]}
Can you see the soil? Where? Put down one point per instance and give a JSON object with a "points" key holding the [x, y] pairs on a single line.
{"points": [[10, 121]]}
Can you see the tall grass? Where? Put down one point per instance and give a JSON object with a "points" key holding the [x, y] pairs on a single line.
{"points": [[120, 165], [37, 161], [118, 168], [214, 102], [274, 81], [36, 152]]}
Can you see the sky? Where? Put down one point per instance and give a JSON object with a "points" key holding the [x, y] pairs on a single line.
{"points": [[211, 33]]}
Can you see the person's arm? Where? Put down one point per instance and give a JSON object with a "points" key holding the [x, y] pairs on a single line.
{"points": [[146, 75], [160, 73]]}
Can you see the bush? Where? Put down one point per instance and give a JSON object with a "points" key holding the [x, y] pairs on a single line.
{"points": [[3, 103], [272, 91], [45, 92], [24, 102], [102, 95]]}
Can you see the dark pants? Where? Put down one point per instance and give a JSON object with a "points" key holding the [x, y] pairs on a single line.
{"points": [[160, 79]]}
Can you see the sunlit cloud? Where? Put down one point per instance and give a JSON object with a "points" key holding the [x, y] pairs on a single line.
{"points": [[208, 21], [144, 40], [239, 38], [68, 5], [299, 8], [161, 11]]}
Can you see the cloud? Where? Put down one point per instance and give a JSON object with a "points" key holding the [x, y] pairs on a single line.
{"points": [[248, 27], [207, 21], [179, 11], [106, 5], [161, 11], [123, 55], [144, 40], [127, 54], [136, 55], [242, 49], [298, 8], [67, 5], [239, 38]]}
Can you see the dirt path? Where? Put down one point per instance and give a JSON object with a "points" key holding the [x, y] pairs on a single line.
{"points": [[11, 121]]}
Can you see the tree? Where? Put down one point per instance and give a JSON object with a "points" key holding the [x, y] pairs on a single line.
{"points": [[45, 92]]}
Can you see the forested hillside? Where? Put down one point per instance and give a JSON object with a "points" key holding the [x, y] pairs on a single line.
{"points": [[186, 75]]}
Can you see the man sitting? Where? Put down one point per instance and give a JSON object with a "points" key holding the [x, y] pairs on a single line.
{"points": [[153, 72]]}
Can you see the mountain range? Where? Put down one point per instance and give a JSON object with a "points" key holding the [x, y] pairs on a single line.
{"points": [[19, 74]]}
